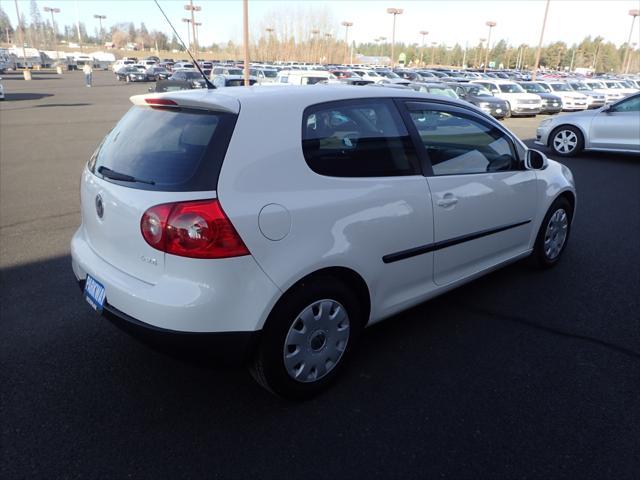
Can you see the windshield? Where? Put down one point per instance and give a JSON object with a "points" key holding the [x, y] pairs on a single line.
{"points": [[533, 88], [596, 84], [581, 87], [175, 149], [511, 88], [560, 87], [312, 80], [612, 85], [389, 74], [234, 71], [270, 73], [192, 75]]}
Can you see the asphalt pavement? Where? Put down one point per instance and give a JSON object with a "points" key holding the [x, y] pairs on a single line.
{"points": [[522, 374]]}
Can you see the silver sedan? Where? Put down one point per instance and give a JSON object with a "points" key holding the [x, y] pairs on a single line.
{"points": [[612, 128]]}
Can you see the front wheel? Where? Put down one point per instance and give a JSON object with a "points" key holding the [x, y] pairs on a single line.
{"points": [[566, 141], [307, 339], [553, 234]]}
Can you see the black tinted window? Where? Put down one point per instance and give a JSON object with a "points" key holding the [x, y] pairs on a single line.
{"points": [[457, 144], [363, 138], [175, 149]]}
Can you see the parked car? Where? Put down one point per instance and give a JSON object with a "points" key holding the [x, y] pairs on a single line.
{"points": [[594, 99], [611, 95], [131, 74], [1, 91], [278, 241], [303, 77], [264, 75], [171, 86], [519, 101], [392, 77], [183, 66], [612, 128], [193, 76], [571, 100], [220, 70], [221, 81], [370, 75], [119, 64], [434, 88], [157, 73], [618, 86], [551, 103], [482, 98]]}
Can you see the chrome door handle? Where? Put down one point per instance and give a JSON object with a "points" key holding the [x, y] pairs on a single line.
{"points": [[447, 202]]}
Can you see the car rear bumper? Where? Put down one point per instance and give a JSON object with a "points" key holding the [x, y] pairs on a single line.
{"points": [[229, 347], [199, 296]]}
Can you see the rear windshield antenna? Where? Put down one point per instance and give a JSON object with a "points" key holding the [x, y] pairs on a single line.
{"points": [[207, 81]]}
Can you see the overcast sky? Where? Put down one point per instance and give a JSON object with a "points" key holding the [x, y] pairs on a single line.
{"points": [[447, 21]]}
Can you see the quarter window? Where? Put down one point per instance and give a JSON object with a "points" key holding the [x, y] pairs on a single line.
{"points": [[458, 144], [357, 138]]}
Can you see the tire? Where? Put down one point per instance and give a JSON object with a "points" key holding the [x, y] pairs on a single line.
{"points": [[550, 245], [308, 314], [566, 141]]}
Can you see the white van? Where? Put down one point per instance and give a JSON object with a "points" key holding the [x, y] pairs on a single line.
{"points": [[304, 77], [118, 64]]}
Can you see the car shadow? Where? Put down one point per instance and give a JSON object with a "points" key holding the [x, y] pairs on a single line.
{"points": [[16, 97]]}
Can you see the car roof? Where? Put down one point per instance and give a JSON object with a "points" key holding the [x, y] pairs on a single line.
{"points": [[296, 97]]}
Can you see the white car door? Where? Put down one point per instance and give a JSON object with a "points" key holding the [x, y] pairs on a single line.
{"points": [[617, 128], [484, 200]]}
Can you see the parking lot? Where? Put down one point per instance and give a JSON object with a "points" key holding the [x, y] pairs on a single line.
{"points": [[521, 374]]}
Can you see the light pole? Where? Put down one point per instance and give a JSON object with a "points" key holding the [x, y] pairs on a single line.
{"points": [[489, 24], [382, 40], [537, 62], [192, 8], [269, 31], [634, 13], [346, 26], [316, 43], [478, 52], [53, 30], [188, 21], [424, 33], [631, 54], [245, 37], [327, 37], [433, 52], [197, 24], [26, 73], [395, 12], [100, 18]]}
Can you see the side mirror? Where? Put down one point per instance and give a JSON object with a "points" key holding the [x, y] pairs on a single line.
{"points": [[607, 108], [535, 160]]}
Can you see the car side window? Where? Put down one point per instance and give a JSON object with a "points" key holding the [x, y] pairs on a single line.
{"points": [[629, 105], [458, 144], [357, 138]]}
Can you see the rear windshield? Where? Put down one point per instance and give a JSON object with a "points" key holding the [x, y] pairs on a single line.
{"points": [[166, 149]]}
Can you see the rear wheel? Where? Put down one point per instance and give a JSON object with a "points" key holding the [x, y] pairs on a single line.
{"points": [[553, 234], [566, 141], [307, 339]]}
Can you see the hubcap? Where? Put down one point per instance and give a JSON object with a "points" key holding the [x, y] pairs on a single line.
{"points": [[316, 341], [565, 141], [556, 234]]}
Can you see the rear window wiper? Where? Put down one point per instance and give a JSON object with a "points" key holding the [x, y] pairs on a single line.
{"points": [[123, 177]]}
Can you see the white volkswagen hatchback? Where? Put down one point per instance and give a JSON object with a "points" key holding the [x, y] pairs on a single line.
{"points": [[276, 224]]}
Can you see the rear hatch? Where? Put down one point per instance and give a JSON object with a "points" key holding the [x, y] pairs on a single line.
{"points": [[154, 155]]}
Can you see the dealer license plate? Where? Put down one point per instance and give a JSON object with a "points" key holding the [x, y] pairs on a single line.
{"points": [[94, 293]]}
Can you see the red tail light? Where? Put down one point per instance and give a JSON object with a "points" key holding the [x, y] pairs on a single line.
{"points": [[198, 229]]}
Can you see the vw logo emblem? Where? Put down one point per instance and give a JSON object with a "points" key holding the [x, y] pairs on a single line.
{"points": [[99, 206]]}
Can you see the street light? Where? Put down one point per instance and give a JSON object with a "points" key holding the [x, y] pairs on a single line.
{"points": [[489, 24], [382, 40], [395, 12], [634, 13], [478, 52], [424, 33], [53, 30], [100, 18], [188, 21], [537, 63], [346, 26], [192, 8]]}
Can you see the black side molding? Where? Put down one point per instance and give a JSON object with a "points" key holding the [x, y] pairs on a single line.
{"points": [[432, 247]]}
